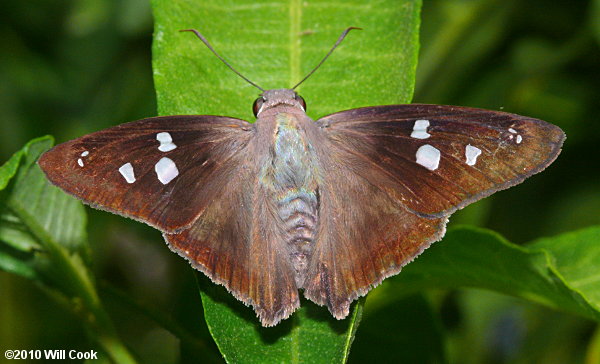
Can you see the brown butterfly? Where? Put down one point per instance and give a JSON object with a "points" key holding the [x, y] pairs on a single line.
{"points": [[331, 207]]}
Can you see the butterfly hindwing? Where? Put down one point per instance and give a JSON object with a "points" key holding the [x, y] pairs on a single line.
{"points": [[364, 236], [238, 241], [437, 159], [163, 171]]}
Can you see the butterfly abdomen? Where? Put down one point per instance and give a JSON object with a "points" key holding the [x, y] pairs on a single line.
{"points": [[291, 176], [299, 212]]}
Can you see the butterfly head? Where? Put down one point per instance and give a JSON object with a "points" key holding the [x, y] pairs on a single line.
{"points": [[272, 98]]}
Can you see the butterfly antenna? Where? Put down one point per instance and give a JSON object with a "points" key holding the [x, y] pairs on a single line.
{"points": [[340, 39], [221, 58]]}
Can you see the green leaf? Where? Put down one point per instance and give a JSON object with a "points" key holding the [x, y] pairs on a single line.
{"points": [[9, 169], [39, 223], [546, 272], [15, 234], [276, 44], [41, 227], [42, 237], [16, 262], [17, 241], [309, 336], [576, 256], [32, 195]]}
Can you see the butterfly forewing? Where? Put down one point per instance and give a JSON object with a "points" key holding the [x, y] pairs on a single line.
{"points": [[163, 171], [436, 159]]}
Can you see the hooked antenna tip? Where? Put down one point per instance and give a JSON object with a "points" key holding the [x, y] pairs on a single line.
{"points": [[340, 39]]}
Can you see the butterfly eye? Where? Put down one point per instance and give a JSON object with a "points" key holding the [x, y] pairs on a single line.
{"points": [[258, 103], [300, 99]]}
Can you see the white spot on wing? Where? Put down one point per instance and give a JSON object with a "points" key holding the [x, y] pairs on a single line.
{"points": [[428, 157], [166, 142], [126, 171], [519, 138], [166, 170], [80, 161], [472, 153], [420, 130]]}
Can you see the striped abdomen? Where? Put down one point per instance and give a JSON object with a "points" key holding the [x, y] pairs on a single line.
{"points": [[294, 183], [299, 212]]}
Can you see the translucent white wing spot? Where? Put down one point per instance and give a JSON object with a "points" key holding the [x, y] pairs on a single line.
{"points": [[428, 157], [420, 130], [471, 153], [166, 170], [126, 171], [80, 160], [519, 138], [166, 142]]}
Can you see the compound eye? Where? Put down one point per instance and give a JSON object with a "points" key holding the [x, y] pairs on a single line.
{"points": [[300, 99], [258, 103]]}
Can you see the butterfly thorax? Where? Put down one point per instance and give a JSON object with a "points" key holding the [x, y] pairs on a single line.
{"points": [[289, 173]]}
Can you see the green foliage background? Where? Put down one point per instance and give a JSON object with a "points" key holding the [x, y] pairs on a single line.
{"points": [[68, 68]]}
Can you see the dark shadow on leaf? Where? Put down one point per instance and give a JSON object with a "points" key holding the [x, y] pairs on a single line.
{"points": [[270, 335], [219, 294], [321, 313]]}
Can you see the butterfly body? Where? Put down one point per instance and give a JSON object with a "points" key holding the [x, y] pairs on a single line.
{"points": [[330, 207], [289, 175], [293, 177]]}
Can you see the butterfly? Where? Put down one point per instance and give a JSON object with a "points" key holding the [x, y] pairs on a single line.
{"points": [[330, 207]]}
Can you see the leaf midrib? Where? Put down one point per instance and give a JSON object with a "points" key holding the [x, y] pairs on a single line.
{"points": [[295, 51]]}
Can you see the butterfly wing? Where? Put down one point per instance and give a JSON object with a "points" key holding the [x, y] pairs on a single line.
{"points": [[394, 174], [206, 198], [163, 171], [363, 237], [437, 159]]}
